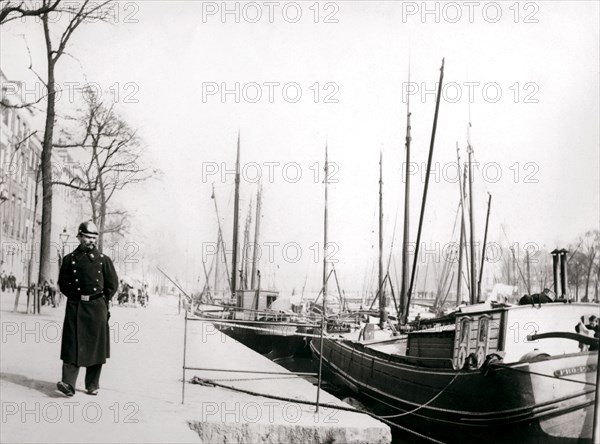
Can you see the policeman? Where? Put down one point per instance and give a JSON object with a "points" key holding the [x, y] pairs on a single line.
{"points": [[88, 279]]}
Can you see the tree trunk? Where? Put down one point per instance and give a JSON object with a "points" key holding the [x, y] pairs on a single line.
{"points": [[46, 233], [102, 220], [596, 286], [102, 209], [33, 226], [591, 258]]}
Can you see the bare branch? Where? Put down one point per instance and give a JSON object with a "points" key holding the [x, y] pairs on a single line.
{"points": [[83, 14], [11, 11], [75, 187]]}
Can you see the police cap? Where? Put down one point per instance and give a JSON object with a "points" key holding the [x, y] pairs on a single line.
{"points": [[87, 229]]}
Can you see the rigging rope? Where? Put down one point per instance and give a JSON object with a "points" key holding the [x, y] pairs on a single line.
{"points": [[513, 255]]}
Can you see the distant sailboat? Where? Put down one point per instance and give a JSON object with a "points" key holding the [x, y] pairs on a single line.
{"points": [[251, 317]]}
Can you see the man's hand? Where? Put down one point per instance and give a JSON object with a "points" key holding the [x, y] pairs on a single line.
{"points": [[107, 308]]}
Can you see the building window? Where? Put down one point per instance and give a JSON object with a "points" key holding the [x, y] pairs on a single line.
{"points": [[5, 115], [20, 219], [23, 167], [19, 129], [3, 153], [12, 215]]}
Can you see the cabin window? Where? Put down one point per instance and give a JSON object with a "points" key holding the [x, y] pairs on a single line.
{"points": [[483, 329], [270, 300], [464, 331]]}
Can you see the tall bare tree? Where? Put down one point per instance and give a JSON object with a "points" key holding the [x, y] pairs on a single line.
{"points": [[76, 14], [590, 247], [114, 160], [596, 280], [577, 265]]}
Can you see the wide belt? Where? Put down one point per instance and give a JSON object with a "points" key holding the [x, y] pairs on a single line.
{"points": [[86, 297]]}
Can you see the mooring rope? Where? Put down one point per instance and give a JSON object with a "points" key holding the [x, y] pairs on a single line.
{"points": [[410, 412], [205, 382]]}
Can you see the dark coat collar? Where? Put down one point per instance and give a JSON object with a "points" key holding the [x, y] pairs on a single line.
{"points": [[93, 254]]}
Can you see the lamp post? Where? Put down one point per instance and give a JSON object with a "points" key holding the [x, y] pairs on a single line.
{"points": [[3, 198], [64, 237]]}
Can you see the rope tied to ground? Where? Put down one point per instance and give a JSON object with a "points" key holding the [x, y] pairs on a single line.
{"points": [[211, 383]]}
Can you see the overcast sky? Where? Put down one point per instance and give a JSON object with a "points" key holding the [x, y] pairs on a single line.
{"points": [[531, 72]]}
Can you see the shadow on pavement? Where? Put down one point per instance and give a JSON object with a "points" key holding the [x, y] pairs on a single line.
{"points": [[45, 387]]}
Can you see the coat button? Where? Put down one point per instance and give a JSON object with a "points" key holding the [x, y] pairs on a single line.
{"points": [[74, 271], [79, 289], [94, 288], [97, 280], [76, 280], [73, 262]]}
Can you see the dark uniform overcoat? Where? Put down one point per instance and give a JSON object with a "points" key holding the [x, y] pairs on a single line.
{"points": [[86, 338]]}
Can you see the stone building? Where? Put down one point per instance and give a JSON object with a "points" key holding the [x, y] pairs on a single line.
{"points": [[21, 131]]}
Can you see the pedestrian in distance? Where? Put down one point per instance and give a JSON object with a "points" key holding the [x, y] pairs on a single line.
{"points": [[12, 282], [88, 279], [45, 293], [52, 289], [3, 280], [49, 293]]}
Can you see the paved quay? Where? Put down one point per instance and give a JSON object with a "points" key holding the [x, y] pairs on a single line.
{"points": [[141, 390]]}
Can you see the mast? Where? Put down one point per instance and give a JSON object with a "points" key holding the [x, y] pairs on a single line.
{"points": [[256, 231], [257, 294], [437, 108], [244, 267], [528, 272], [217, 264], [382, 312], [425, 280], [515, 279], [462, 231], [325, 237], [323, 322], [471, 221], [207, 284], [236, 210], [406, 237], [487, 220], [220, 241]]}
